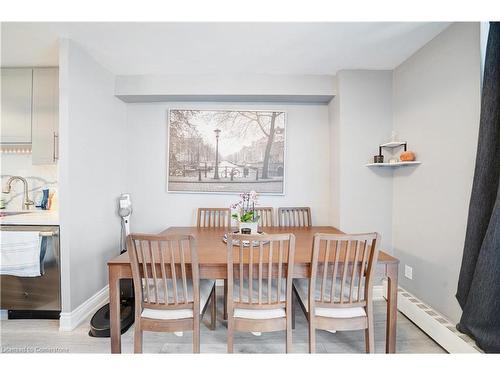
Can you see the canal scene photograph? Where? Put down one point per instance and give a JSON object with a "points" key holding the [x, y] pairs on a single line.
{"points": [[226, 151]]}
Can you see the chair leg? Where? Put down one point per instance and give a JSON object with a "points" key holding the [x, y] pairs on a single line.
{"points": [[225, 300], [312, 336], [213, 313], [196, 335], [230, 334], [293, 311], [288, 334], [137, 337], [369, 339]]}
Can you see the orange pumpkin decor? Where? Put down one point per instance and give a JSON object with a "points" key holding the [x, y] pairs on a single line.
{"points": [[407, 156]]}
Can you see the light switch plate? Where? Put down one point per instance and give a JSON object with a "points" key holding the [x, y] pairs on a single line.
{"points": [[408, 272]]}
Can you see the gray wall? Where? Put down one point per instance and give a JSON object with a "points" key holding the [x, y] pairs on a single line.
{"points": [[436, 108], [361, 119], [92, 173]]}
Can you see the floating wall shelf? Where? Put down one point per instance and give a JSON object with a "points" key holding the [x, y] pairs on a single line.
{"points": [[393, 165], [393, 144]]}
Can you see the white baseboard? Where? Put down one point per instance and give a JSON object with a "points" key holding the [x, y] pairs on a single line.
{"points": [[69, 321], [435, 325]]}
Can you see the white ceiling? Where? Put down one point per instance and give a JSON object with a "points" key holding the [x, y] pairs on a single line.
{"points": [[214, 48]]}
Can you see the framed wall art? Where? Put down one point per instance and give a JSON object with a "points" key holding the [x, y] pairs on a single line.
{"points": [[226, 151]]}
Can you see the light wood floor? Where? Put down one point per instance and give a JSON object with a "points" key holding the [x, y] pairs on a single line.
{"points": [[44, 335]]}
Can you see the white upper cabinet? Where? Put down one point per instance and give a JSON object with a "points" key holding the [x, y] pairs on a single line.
{"points": [[30, 111], [45, 115], [16, 105]]}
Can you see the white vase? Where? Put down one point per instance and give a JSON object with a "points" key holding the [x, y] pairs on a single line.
{"points": [[253, 226]]}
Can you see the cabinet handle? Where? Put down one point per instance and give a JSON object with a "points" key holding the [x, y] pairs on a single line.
{"points": [[55, 156]]}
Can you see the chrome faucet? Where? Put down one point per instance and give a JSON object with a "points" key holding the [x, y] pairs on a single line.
{"points": [[27, 201]]}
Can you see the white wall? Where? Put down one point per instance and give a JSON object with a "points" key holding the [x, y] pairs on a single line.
{"points": [[307, 165], [361, 119], [436, 108], [92, 172]]}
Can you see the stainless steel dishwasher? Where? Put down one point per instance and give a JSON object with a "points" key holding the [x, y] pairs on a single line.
{"points": [[35, 297]]}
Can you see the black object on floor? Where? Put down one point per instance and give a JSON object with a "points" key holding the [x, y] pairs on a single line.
{"points": [[33, 314], [100, 324]]}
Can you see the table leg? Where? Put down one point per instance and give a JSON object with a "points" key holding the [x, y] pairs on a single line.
{"points": [[114, 311], [392, 307]]}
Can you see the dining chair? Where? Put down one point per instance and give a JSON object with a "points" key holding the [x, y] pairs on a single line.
{"points": [[213, 218], [266, 215], [169, 295], [338, 295], [294, 217], [260, 284]]}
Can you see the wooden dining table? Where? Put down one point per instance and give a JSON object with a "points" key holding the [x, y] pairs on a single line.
{"points": [[212, 265]]}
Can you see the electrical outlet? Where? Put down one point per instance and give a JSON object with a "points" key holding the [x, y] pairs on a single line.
{"points": [[408, 272]]}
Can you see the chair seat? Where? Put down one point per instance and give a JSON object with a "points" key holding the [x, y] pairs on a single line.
{"points": [[259, 313], [302, 288], [206, 287]]}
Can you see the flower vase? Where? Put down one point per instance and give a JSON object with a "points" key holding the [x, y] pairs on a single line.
{"points": [[253, 226]]}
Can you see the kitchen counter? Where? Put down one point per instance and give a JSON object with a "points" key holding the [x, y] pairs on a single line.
{"points": [[31, 217]]}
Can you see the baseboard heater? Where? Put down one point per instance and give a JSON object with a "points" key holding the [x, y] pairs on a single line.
{"points": [[439, 328]]}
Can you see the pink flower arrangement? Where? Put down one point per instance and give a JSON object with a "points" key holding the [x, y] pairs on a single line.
{"points": [[245, 208]]}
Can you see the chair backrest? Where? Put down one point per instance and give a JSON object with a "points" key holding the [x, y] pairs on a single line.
{"points": [[294, 217], [342, 269], [213, 218], [161, 267], [261, 272], [266, 216]]}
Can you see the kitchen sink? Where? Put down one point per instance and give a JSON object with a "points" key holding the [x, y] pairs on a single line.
{"points": [[3, 214]]}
